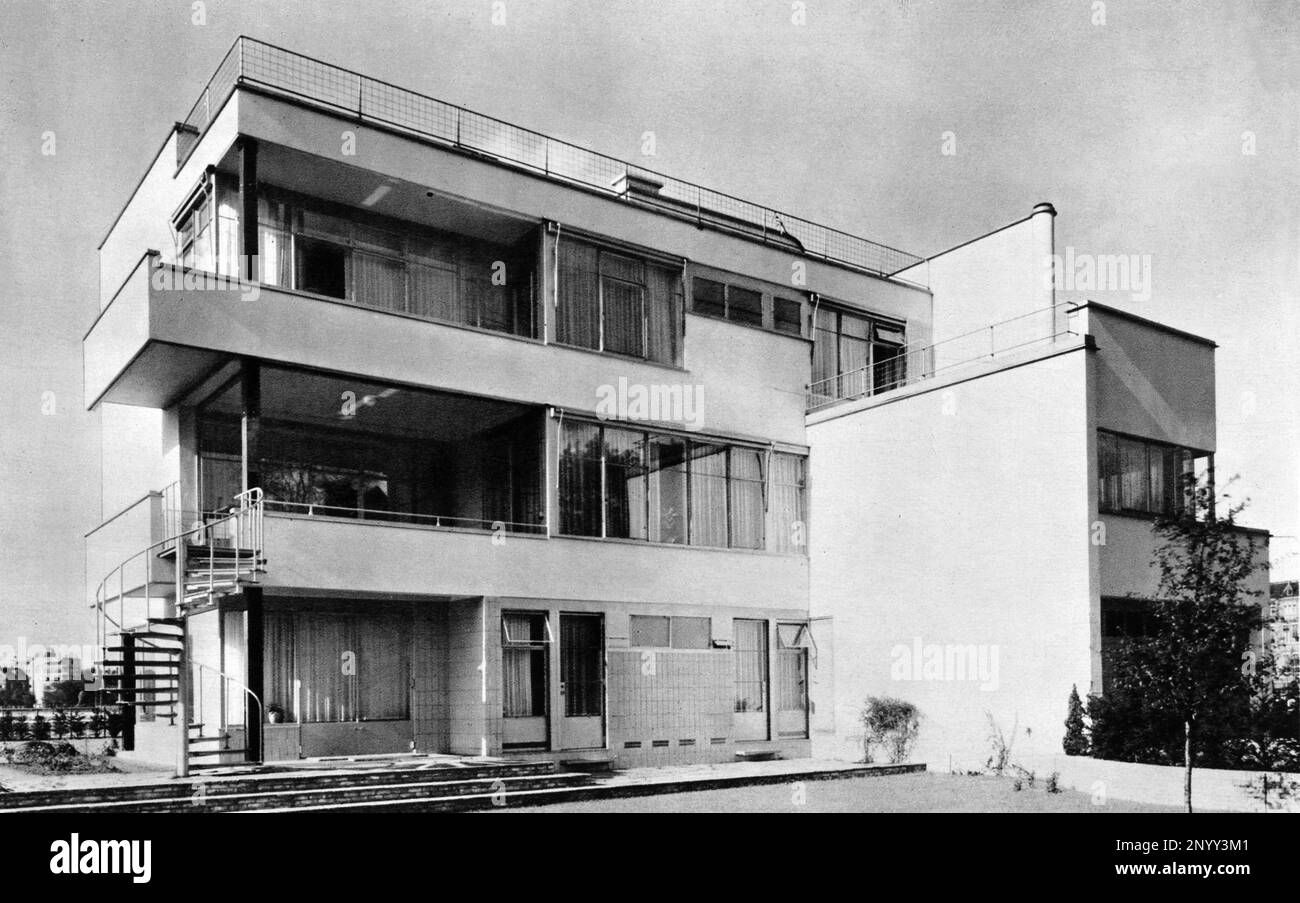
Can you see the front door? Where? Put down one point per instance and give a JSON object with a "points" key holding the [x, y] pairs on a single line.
{"points": [[582, 681]]}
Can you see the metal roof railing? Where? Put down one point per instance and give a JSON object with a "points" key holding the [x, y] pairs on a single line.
{"points": [[258, 65]]}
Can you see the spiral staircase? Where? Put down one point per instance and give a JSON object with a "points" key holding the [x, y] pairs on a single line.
{"points": [[141, 608]]}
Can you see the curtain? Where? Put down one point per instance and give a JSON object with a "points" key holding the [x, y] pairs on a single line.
{"points": [[277, 669], [751, 665], [791, 667], [580, 495], [1133, 474], [1108, 471], [708, 495], [581, 662], [746, 498], [327, 694], [623, 318], [855, 355], [666, 486], [232, 663], [433, 292], [383, 646], [625, 478], [578, 317], [380, 281], [522, 662], [787, 504], [622, 301], [663, 312]]}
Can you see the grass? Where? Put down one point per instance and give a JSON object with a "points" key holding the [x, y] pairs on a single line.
{"points": [[929, 792]]}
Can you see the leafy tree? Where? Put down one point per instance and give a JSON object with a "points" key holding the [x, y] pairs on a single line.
{"points": [[1196, 662], [1076, 741]]}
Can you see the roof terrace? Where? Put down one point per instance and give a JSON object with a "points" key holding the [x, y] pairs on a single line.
{"points": [[258, 66]]}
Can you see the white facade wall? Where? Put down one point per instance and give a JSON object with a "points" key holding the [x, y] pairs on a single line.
{"points": [[958, 515]]}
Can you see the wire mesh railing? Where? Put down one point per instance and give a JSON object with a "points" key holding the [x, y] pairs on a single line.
{"points": [[267, 67]]}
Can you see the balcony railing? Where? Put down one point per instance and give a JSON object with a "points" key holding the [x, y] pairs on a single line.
{"points": [[915, 363], [255, 64], [305, 509]]}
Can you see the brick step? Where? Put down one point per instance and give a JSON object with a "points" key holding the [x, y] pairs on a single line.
{"points": [[437, 789], [287, 783]]}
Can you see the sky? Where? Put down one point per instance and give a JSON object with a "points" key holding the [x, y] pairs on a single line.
{"points": [[1161, 129]]}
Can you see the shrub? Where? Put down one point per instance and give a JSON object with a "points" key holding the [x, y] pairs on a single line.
{"points": [[890, 724], [1001, 743], [21, 729], [98, 723], [1054, 782], [1076, 741], [34, 752], [59, 725], [76, 724], [6, 725]]}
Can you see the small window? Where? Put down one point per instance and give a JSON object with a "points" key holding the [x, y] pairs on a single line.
{"points": [[744, 306], [646, 630], [525, 628], [710, 297], [787, 316], [794, 636], [691, 633]]}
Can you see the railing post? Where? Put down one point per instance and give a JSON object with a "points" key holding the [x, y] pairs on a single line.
{"points": [[182, 669]]}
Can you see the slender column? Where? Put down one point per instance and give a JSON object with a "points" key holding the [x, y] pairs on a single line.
{"points": [[253, 640], [251, 401], [248, 208]]}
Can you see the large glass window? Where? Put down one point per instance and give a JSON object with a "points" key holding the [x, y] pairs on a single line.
{"points": [[1144, 477], [615, 302], [353, 255], [623, 483], [327, 666], [855, 354], [334, 447]]}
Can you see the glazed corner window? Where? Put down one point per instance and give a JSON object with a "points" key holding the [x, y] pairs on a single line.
{"points": [[1143, 477], [195, 236]]}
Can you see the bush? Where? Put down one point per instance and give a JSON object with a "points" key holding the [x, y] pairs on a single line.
{"points": [[20, 728], [1054, 782], [98, 723], [76, 724], [890, 724], [6, 725], [1076, 741], [59, 725], [35, 752]]}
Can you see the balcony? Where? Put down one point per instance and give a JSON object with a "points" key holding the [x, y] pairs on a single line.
{"points": [[910, 364], [264, 68]]}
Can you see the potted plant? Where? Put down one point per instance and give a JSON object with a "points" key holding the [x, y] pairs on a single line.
{"points": [[275, 713]]}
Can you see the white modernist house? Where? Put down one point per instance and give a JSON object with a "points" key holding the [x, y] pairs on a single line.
{"points": [[424, 431]]}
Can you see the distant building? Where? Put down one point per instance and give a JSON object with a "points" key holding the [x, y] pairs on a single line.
{"points": [[1284, 627]]}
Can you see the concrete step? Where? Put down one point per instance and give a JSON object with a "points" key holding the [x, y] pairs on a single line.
{"points": [[442, 787]]}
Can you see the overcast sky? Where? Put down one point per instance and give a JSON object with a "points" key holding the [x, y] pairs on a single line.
{"points": [[1134, 128]]}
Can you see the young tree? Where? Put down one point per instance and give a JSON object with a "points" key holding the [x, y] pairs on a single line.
{"points": [[1075, 742], [1197, 660]]}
